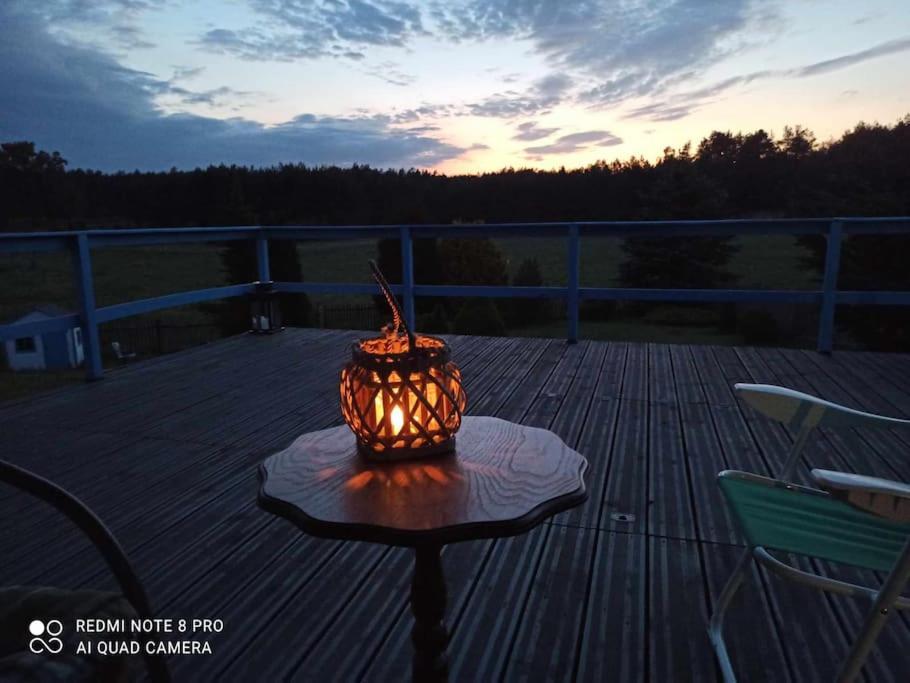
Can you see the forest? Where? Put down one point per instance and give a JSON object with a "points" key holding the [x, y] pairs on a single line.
{"points": [[726, 175]]}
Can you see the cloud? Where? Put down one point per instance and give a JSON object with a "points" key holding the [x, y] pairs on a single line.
{"points": [[661, 111], [422, 129], [130, 37], [529, 131], [424, 111], [89, 10], [177, 95], [391, 73], [631, 48], [308, 29], [185, 73], [575, 142], [888, 48], [99, 114], [541, 96], [115, 19], [212, 97], [682, 104], [866, 18], [255, 45]]}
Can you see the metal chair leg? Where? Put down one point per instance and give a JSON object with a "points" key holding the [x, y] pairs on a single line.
{"points": [[716, 624], [878, 615]]}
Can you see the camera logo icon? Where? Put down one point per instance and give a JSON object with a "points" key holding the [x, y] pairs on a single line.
{"points": [[51, 643]]}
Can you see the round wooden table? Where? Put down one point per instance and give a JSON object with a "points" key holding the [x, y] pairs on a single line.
{"points": [[503, 480]]}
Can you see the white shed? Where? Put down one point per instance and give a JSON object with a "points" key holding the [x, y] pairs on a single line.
{"points": [[48, 351]]}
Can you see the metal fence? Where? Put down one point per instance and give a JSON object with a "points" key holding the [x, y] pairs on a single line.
{"points": [[156, 337], [89, 316], [350, 317]]}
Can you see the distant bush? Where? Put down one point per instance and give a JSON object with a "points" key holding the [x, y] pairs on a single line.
{"points": [[479, 316], [682, 315], [435, 322], [426, 269], [475, 262], [529, 311], [677, 262], [472, 262], [758, 327], [871, 262], [528, 274], [597, 310]]}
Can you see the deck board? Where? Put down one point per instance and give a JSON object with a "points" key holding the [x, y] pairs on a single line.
{"points": [[619, 589]]}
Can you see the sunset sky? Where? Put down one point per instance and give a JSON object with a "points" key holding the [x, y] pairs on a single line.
{"points": [[461, 86]]}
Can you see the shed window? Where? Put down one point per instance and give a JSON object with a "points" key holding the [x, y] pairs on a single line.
{"points": [[25, 345]]}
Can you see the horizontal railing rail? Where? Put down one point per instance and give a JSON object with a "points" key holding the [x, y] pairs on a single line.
{"points": [[80, 244]]}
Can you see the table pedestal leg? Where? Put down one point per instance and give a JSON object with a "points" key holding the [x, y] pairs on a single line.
{"points": [[428, 603]]}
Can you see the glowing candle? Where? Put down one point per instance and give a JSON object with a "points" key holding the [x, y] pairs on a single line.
{"points": [[397, 419]]}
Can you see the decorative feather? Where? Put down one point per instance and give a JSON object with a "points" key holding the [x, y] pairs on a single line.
{"points": [[397, 318]]}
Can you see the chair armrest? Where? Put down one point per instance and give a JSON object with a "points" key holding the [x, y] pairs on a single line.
{"points": [[100, 536], [798, 410], [882, 497]]}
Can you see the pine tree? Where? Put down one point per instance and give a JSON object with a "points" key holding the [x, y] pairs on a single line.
{"points": [[529, 311], [680, 190]]}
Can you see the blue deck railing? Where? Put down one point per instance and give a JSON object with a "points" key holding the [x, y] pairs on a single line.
{"points": [[89, 316]]}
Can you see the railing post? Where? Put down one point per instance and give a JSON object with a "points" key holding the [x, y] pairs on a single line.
{"points": [[407, 276], [829, 288], [574, 252], [262, 259], [85, 288]]}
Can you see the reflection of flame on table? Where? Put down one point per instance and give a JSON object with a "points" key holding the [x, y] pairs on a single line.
{"points": [[326, 473], [402, 476]]}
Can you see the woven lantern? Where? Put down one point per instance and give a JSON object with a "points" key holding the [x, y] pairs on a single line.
{"points": [[401, 393]]}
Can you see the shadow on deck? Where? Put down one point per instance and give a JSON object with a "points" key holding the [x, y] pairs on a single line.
{"points": [[619, 589]]}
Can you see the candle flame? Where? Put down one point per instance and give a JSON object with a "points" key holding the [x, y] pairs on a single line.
{"points": [[397, 419]]}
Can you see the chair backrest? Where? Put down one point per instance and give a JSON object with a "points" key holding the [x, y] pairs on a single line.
{"points": [[810, 522], [803, 413], [798, 410], [882, 497]]}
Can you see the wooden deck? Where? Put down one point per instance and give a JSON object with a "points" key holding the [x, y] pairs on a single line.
{"points": [[165, 451]]}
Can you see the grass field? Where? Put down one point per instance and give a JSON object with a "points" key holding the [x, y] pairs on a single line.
{"points": [[772, 262]]}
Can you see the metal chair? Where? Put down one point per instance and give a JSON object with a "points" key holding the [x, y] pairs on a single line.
{"points": [[78, 513], [851, 519], [121, 354]]}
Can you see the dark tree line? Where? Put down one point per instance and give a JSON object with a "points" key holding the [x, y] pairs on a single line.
{"points": [[864, 172], [742, 175]]}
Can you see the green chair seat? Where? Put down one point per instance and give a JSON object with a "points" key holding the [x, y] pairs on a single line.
{"points": [[809, 522]]}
